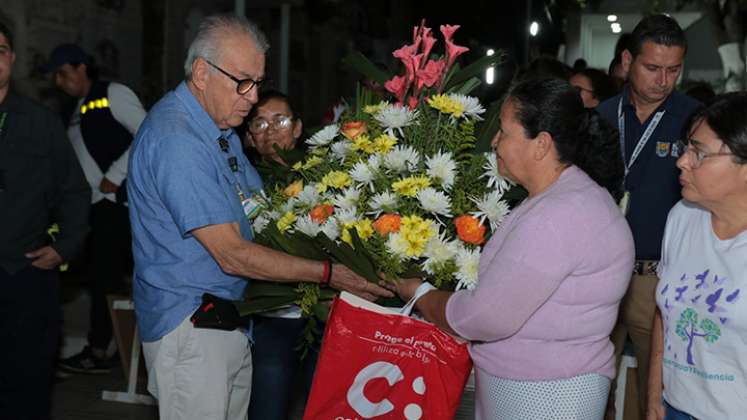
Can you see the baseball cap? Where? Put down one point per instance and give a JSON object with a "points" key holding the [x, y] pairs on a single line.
{"points": [[65, 54]]}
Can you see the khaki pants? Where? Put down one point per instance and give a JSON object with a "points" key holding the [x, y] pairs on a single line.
{"points": [[635, 320], [199, 374]]}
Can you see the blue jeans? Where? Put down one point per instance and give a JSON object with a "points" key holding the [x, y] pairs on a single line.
{"points": [[675, 414], [278, 367]]}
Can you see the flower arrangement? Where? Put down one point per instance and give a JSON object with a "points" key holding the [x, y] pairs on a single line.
{"points": [[396, 187]]}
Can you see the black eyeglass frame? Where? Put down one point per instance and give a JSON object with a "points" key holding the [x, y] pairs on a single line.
{"points": [[252, 83]]}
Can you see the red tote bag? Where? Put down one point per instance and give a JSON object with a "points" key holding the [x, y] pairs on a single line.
{"points": [[376, 363]]}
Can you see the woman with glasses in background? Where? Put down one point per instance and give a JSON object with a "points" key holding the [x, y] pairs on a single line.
{"points": [[698, 363], [271, 122], [278, 335]]}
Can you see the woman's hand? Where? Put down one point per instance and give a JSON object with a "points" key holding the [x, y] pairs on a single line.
{"points": [[406, 288], [655, 411]]}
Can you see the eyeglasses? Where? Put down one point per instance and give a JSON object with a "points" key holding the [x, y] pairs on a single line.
{"points": [[260, 125], [696, 154], [243, 86]]}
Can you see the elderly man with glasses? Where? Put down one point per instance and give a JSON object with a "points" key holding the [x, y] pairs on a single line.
{"points": [[192, 195]]}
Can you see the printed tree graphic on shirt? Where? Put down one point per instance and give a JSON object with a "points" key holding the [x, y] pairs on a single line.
{"points": [[687, 329]]}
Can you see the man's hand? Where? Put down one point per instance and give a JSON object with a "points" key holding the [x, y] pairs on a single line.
{"points": [[345, 279], [406, 288], [107, 186], [45, 258]]}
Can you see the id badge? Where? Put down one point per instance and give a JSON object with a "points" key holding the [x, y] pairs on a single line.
{"points": [[624, 203], [251, 207]]}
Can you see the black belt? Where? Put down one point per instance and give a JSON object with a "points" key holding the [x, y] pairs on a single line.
{"points": [[645, 267]]}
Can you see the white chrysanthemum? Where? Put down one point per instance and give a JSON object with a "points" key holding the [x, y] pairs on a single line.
{"points": [[260, 223], [434, 201], [393, 117], [383, 202], [362, 174], [402, 159], [492, 207], [348, 199], [309, 196], [341, 150], [323, 136], [374, 163], [472, 107], [397, 245], [437, 252], [346, 216], [495, 179], [288, 206], [307, 226], [330, 229], [442, 168], [468, 264]]}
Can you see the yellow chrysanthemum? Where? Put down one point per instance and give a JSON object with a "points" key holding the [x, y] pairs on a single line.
{"points": [[337, 179], [446, 105], [363, 143], [285, 222], [410, 186], [416, 231], [312, 161], [293, 189], [374, 109], [384, 143], [364, 228]]}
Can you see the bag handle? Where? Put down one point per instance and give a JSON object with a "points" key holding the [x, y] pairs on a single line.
{"points": [[424, 288]]}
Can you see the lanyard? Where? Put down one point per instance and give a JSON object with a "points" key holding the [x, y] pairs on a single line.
{"points": [[644, 137]]}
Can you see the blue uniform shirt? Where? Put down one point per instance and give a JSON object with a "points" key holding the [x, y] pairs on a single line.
{"points": [[653, 179], [179, 179]]}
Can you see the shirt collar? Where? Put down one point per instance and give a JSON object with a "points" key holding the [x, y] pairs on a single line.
{"points": [[199, 115]]}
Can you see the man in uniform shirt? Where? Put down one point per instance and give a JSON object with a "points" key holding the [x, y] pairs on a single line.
{"points": [[650, 116], [105, 120]]}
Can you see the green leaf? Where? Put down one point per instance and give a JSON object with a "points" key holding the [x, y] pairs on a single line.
{"points": [[467, 87], [258, 288], [355, 259], [476, 69], [488, 127], [362, 65]]}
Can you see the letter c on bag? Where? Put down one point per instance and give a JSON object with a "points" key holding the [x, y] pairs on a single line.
{"points": [[362, 405]]}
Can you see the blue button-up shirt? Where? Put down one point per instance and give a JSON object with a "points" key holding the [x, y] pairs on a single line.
{"points": [[179, 180], [653, 179]]}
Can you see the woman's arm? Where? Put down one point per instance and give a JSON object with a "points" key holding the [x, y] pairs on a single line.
{"points": [[655, 406]]}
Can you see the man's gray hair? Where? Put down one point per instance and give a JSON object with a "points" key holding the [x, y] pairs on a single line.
{"points": [[212, 28]]}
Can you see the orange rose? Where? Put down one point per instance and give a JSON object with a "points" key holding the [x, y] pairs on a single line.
{"points": [[470, 230], [353, 129], [387, 223], [321, 212]]}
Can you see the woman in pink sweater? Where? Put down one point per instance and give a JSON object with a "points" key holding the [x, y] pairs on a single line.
{"points": [[552, 276]]}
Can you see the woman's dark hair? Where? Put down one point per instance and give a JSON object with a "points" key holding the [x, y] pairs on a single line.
{"points": [[602, 84], [659, 29], [8, 34], [727, 117], [581, 137], [265, 97]]}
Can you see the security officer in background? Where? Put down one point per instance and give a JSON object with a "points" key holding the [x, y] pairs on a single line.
{"points": [[101, 129]]}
